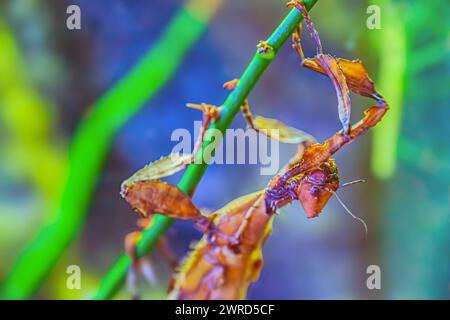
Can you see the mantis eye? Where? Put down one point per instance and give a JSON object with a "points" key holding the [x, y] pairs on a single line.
{"points": [[314, 191]]}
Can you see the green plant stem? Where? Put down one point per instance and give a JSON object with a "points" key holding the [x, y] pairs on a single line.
{"points": [[93, 139], [115, 277], [391, 79]]}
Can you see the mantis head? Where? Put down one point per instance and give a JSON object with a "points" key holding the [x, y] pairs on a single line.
{"points": [[317, 186]]}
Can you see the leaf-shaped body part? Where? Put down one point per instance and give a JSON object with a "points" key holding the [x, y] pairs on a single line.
{"points": [[316, 188], [277, 130], [161, 168], [220, 269], [150, 197], [335, 73], [316, 154], [345, 74], [358, 79]]}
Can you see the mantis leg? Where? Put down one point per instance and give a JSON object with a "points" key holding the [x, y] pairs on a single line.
{"points": [[210, 113], [166, 252], [245, 108], [142, 265], [315, 35], [246, 219], [312, 64], [248, 115], [138, 265], [296, 42], [271, 128], [162, 245], [328, 64]]}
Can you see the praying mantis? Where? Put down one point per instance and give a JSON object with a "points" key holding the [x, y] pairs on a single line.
{"points": [[229, 256]]}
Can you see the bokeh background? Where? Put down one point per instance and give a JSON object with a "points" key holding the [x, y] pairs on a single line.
{"points": [[66, 145]]}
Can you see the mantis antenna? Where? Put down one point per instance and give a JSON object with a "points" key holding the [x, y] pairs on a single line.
{"points": [[350, 213], [347, 184]]}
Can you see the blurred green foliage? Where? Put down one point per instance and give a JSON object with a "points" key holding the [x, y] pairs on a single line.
{"points": [[415, 77], [28, 128]]}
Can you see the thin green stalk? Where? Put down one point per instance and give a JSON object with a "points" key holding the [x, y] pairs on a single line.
{"points": [[391, 81], [415, 209], [115, 277], [93, 139]]}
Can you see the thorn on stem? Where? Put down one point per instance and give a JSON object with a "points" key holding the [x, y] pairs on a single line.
{"points": [[231, 85], [265, 51]]}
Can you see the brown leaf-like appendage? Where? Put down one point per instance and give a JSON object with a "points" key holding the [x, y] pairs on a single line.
{"points": [[334, 72], [219, 269], [356, 75], [345, 74], [150, 197]]}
